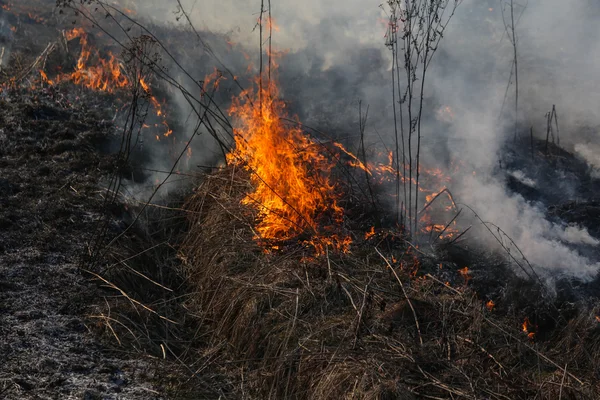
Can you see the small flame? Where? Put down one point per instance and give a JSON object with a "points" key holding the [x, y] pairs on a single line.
{"points": [[445, 114], [370, 233], [213, 78], [45, 78], [526, 326], [105, 76], [465, 273], [490, 305]]}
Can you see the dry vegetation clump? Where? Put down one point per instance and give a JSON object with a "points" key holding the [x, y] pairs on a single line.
{"points": [[284, 324]]}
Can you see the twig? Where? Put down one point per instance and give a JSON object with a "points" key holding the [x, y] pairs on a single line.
{"points": [[459, 236], [113, 286], [514, 43], [490, 355], [360, 314], [514, 337], [556, 123], [44, 53], [562, 383], [548, 130], [403, 292], [539, 354], [443, 284], [445, 190], [328, 261], [448, 224]]}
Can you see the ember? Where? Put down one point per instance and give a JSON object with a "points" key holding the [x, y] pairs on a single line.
{"points": [[527, 328], [370, 233], [465, 273]]}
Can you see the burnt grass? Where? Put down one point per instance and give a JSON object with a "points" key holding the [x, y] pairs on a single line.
{"points": [[51, 166]]}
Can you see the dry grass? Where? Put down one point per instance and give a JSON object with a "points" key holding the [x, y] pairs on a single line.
{"points": [[286, 325]]}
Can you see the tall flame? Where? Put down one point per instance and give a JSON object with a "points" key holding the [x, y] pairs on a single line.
{"points": [[293, 189]]}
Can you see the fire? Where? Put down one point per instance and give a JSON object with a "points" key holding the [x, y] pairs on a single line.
{"points": [[490, 305], [597, 318], [293, 191], [213, 79], [445, 114], [157, 108], [526, 326], [45, 78], [383, 170], [105, 76], [356, 162], [370, 233], [465, 273]]}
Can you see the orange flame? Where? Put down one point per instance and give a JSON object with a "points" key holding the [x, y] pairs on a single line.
{"points": [[490, 305], [526, 326], [157, 107], [465, 273], [45, 78], [370, 233], [105, 76], [293, 189]]}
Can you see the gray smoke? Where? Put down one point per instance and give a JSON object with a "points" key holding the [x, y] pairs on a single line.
{"points": [[336, 58], [6, 38]]}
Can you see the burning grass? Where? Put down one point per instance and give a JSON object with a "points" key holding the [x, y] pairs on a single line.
{"points": [[313, 317], [291, 174]]}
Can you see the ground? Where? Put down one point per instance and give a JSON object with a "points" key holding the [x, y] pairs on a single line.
{"points": [[202, 311], [50, 202]]}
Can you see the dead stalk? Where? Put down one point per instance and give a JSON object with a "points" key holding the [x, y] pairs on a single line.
{"points": [[404, 293]]}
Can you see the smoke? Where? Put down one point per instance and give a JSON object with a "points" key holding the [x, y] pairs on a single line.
{"points": [[5, 41], [550, 36], [336, 57]]}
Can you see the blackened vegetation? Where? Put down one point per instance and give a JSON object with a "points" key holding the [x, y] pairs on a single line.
{"points": [[50, 202], [559, 183], [56, 152]]}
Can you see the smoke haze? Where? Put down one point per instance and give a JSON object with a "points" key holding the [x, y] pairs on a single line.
{"points": [[336, 57]]}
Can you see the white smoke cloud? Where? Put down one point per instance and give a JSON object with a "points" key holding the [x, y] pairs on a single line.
{"points": [[550, 35]]}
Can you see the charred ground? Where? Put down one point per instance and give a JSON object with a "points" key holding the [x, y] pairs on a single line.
{"points": [[51, 164]]}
